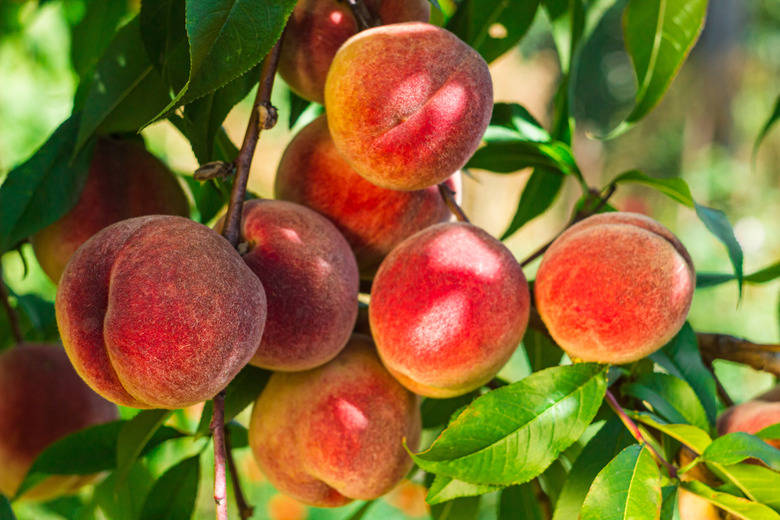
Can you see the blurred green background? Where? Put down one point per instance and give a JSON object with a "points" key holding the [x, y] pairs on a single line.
{"points": [[703, 131]]}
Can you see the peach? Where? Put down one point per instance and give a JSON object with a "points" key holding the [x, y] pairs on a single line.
{"points": [[753, 416], [317, 28], [159, 312], [333, 434], [694, 507], [614, 288], [42, 400], [448, 308], [407, 104], [373, 220], [311, 283], [124, 181]]}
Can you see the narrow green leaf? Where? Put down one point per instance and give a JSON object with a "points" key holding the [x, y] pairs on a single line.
{"points": [[124, 503], [675, 189], [6, 513], [773, 118], [540, 192], [567, 18], [133, 438], [175, 493], [240, 393], [736, 447], [509, 157], [767, 274], [126, 91], [92, 34], [164, 35], [719, 226], [669, 503], [513, 122], [519, 503], [447, 488], [492, 27], [770, 432], [755, 481], [298, 106], [510, 435], [739, 507], [466, 508], [361, 511], [44, 188], [437, 412], [693, 437], [611, 439], [658, 34], [541, 351], [628, 487], [670, 397], [681, 358]]}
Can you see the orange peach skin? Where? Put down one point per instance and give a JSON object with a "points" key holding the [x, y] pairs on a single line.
{"points": [[407, 104], [614, 288], [373, 220], [159, 312], [317, 28], [448, 308], [42, 400], [124, 181], [311, 282], [333, 434], [753, 416]]}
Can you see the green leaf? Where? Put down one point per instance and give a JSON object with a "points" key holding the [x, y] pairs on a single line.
{"points": [[628, 487], [719, 226], [437, 412], [675, 189], [767, 274], [133, 438], [670, 397], [513, 122], [567, 18], [175, 493], [466, 508], [509, 157], [44, 188], [755, 481], [298, 106], [510, 435], [541, 351], [739, 507], [733, 448], [6, 513], [770, 432], [693, 437], [92, 34], [447, 488], [681, 358], [611, 439], [773, 118], [658, 34], [492, 27], [126, 91], [519, 503], [240, 393], [540, 192], [124, 503], [669, 503], [361, 511], [164, 35]]}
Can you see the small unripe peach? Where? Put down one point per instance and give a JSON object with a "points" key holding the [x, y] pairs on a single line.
{"points": [[448, 308], [159, 312], [614, 288], [373, 220], [335, 433], [407, 104], [42, 400]]}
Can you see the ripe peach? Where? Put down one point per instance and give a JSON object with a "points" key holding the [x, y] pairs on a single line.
{"points": [[753, 416], [407, 104], [614, 288], [124, 181], [448, 308], [159, 312], [373, 220], [317, 28], [311, 282], [42, 400], [333, 434]]}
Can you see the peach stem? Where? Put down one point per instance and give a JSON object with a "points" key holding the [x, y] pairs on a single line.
{"points": [[449, 199], [13, 318], [245, 510], [217, 428], [362, 15]]}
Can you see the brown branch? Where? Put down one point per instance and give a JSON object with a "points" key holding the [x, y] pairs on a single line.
{"points": [[13, 318], [245, 510], [764, 357], [263, 117], [217, 428], [363, 17], [449, 199]]}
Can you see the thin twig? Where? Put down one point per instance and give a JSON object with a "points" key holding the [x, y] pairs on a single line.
{"points": [[449, 199], [719, 388], [764, 357], [637, 433], [363, 17], [217, 428], [245, 510], [13, 318], [263, 117]]}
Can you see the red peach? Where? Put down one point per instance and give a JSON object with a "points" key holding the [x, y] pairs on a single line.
{"points": [[614, 288], [448, 308], [373, 220], [753, 416], [159, 312], [407, 104]]}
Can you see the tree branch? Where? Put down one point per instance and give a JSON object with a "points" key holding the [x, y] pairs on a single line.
{"points": [[13, 318], [764, 357], [449, 199], [217, 428]]}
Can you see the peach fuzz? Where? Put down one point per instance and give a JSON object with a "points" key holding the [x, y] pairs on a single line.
{"points": [[124, 181], [614, 288], [448, 308], [159, 312], [373, 220], [317, 28], [407, 104], [753, 416], [42, 400], [311, 283], [333, 434]]}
